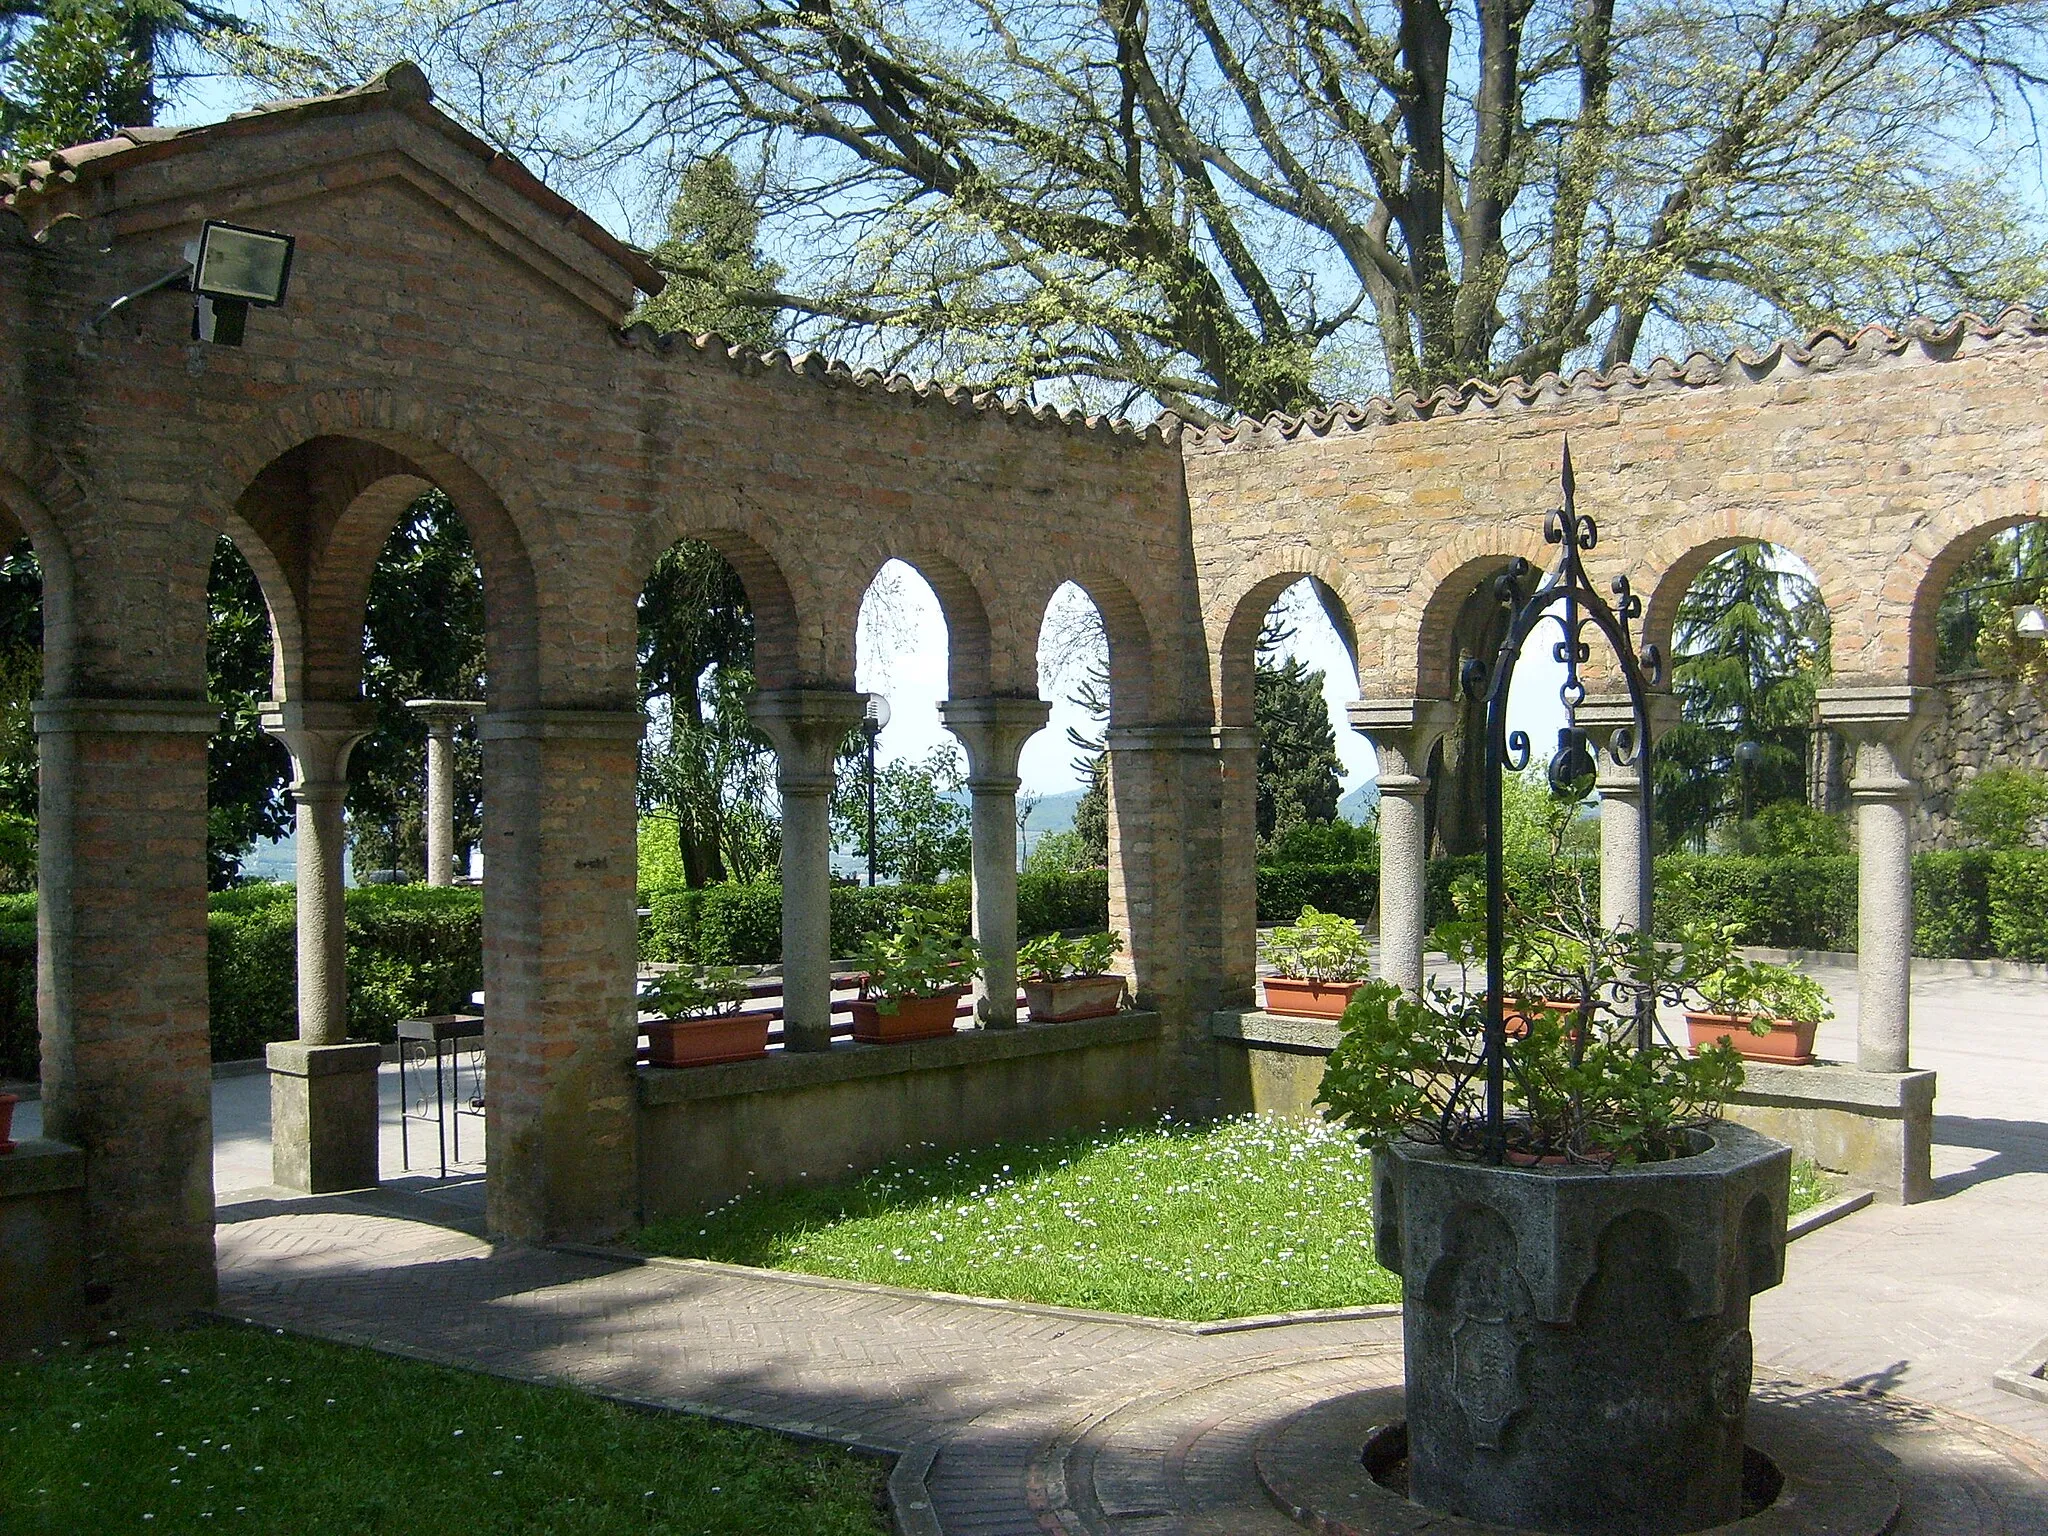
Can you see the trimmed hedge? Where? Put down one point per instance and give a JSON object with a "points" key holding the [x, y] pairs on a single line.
{"points": [[1784, 903], [2017, 890], [412, 950], [742, 924], [1349, 890]]}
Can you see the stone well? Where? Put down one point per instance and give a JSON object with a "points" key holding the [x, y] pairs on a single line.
{"points": [[1578, 1349]]}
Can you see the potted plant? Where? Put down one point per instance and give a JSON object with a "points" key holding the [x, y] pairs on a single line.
{"points": [[1066, 979], [912, 982], [1766, 1012], [701, 1021], [1320, 960], [7, 1103]]}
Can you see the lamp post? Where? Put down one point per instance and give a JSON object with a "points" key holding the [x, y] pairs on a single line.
{"points": [[1747, 755], [872, 722]]}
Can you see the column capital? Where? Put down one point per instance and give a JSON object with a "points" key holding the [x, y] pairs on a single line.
{"points": [[319, 734], [807, 726], [1883, 724], [994, 732], [1602, 715], [1402, 731], [445, 714]]}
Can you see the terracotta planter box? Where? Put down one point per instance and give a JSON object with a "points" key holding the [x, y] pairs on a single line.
{"points": [[1517, 1024], [701, 1042], [915, 1018], [1788, 1044], [1309, 999], [1078, 997]]}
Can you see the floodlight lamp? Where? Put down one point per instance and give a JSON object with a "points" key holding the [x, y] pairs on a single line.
{"points": [[2030, 621], [234, 268]]}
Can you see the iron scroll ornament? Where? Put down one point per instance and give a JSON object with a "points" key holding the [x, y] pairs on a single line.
{"points": [[1567, 596]]}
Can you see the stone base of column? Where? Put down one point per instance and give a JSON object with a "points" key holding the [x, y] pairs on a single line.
{"points": [[323, 1115], [1873, 1129], [42, 1246]]}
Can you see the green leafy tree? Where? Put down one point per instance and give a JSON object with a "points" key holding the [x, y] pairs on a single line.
{"points": [[21, 679], [706, 773], [247, 769], [1974, 625], [72, 71], [423, 638], [2000, 807], [708, 777], [713, 251], [1299, 775], [1249, 205], [923, 830], [1749, 647], [1060, 853]]}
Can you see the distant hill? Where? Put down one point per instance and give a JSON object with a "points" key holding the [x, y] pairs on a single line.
{"points": [[1053, 813], [1361, 805]]}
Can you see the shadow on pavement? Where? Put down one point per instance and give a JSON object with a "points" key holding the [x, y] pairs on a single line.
{"points": [[2016, 1146]]}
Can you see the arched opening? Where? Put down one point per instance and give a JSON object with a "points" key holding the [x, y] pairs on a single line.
{"points": [[707, 774], [1465, 620], [1981, 639], [423, 637], [1063, 806], [1316, 803], [1746, 767], [248, 812], [900, 812]]}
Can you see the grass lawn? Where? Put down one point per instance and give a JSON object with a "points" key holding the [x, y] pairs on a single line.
{"points": [[235, 1429], [1233, 1219], [1241, 1217]]}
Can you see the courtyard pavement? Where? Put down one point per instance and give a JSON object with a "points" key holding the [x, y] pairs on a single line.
{"points": [[1019, 1419]]}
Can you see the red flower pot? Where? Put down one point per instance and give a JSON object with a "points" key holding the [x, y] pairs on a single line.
{"points": [[7, 1103], [1309, 999], [1078, 997], [701, 1042], [1788, 1044], [915, 1018], [1517, 1022]]}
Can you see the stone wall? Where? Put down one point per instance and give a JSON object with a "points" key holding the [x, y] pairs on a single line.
{"points": [[709, 1133], [1987, 721]]}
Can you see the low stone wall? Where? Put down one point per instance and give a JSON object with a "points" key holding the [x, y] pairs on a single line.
{"points": [[1873, 1129], [42, 1245], [708, 1133]]}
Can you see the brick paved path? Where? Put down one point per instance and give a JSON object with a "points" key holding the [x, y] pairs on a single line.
{"points": [[1034, 1421]]}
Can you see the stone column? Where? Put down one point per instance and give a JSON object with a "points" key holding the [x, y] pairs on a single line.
{"points": [[1625, 854], [808, 726], [994, 732], [121, 991], [442, 716], [323, 1090], [1882, 725], [1402, 732], [560, 948], [1182, 886]]}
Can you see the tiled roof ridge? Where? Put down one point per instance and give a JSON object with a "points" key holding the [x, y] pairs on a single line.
{"points": [[403, 87], [1822, 350], [835, 373]]}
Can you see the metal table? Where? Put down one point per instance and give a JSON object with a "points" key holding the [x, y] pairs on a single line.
{"points": [[436, 1034]]}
